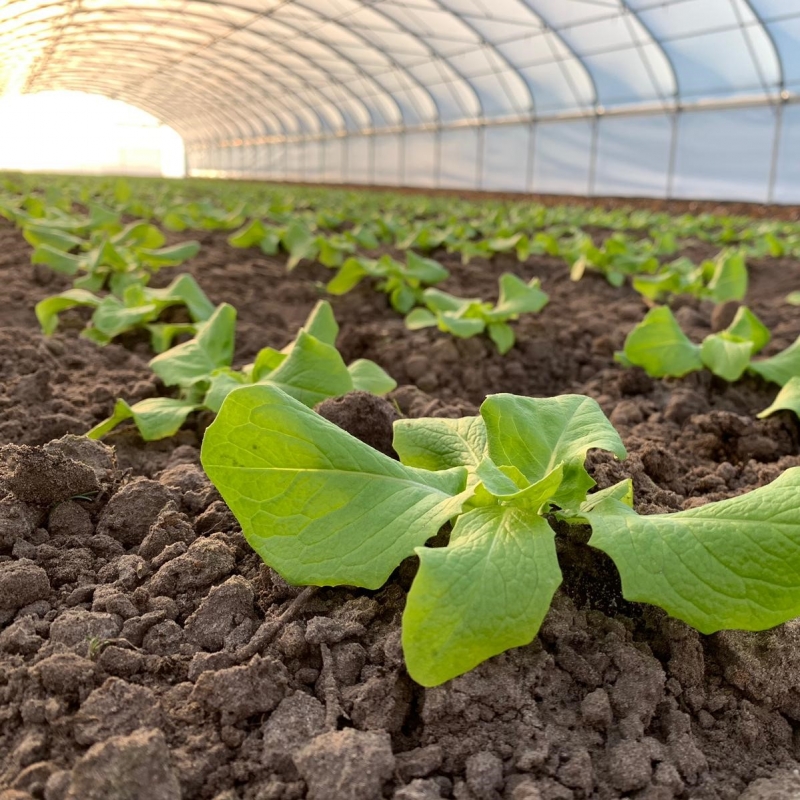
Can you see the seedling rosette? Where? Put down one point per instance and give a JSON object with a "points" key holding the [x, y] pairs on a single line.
{"points": [[323, 508], [309, 369], [467, 317]]}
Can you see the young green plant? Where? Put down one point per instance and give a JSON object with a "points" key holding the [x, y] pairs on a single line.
{"points": [[323, 508]]}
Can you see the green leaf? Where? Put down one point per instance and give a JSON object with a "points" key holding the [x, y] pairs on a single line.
{"points": [[440, 301], [725, 565], [420, 318], [112, 317], [425, 270], [793, 298], [196, 359], [788, 399], [248, 236], [140, 234], [746, 325], [780, 368], [300, 243], [47, 310], [322, 324], [312, 371], [316, 504], [267, 360], [185, 289], [502, 335], [659, 346], [57, 260], [350, 274], [45, 235], [622, 491], [435, 443], [487, 591], [535, 435], [222, 384], [403, 298], [518, 297], [367, 376], [726, 356], [462, 327], [156, 417], [171, 256], [162, 334], [729, 281]]}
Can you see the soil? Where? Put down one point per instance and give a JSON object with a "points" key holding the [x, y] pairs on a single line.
{"points": [[146, 652]]}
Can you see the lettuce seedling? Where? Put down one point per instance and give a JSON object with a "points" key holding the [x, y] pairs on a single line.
{"points": [[404, 283], [467, 317], [138, 307], [114, 259], [659, 346], [788, 399], [309, 369], [323, 508]]}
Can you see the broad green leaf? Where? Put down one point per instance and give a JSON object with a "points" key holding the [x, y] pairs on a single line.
{"points": [[420, 318], [367, 376], [112, 317], [350, 274], [299, 242], [746, 325], [659, 346], [185, 289], [267, 360], [403, 298], [316, 504], [440, 301], [140, 234], [312, 371], [487, 591], [780, 368], [793, 298], [169, 256], [462, 327], [322, 324], [655, 286], [731, 564], [163, 334], [435, 443], [518, 297], [196, 359], [537, 434], [425, 270], [47, 310], [156, 417], [502, 335], [57, 260], [729, 281], [249, 236], [222, 384], [788, 399], [39, 235], [726, 356]]}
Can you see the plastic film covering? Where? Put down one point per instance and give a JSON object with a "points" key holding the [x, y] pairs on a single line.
{"points": [[684, 98]]}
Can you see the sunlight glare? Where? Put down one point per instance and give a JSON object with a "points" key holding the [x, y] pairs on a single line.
{"points": [[76, 132]]}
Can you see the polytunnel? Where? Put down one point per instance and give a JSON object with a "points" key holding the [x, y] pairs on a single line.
{"points": [[662, 98]]}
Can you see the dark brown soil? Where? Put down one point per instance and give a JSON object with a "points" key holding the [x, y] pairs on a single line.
{"points": [[145, 652]]}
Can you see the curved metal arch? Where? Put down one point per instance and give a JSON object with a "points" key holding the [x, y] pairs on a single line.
{"points": [[531, 100], [431, 50], [382, 92], [673, 72], [773, 44], [359, 69], [311, 88], [572, 51], [269, 77], [192, 80], [93, 80]]}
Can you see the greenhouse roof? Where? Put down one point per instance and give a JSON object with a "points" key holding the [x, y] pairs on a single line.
{"points": [[252, 71]]}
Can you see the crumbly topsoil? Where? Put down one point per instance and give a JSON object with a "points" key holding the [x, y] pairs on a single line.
{"points": [[146, 652]]}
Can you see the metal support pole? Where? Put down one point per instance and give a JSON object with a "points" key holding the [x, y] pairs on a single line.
{"points": [[480, 157], [437, 159], [590, 184], [776, 148], [530, 157], [673, 153]]}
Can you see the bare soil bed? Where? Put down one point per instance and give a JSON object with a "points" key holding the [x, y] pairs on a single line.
{"points": [[145, 651]]}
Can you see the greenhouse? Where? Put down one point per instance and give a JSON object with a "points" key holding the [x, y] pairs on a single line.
{"points": [[599, 97], [399, 400]]}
